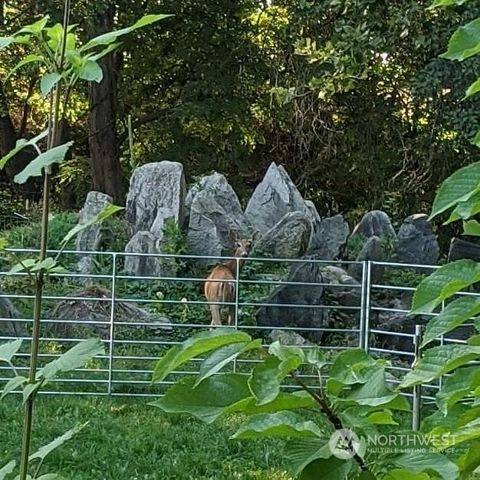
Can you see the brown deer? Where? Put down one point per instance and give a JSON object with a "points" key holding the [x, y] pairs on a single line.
{"points": [[220, 284]]}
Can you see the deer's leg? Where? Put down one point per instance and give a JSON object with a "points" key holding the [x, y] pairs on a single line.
{"points": [[215, 311]]}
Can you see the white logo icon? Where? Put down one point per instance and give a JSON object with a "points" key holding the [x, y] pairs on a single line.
{"points": [[344, 444]]}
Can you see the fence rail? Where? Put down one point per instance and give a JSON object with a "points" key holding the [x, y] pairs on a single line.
{"points": [[139, 317]]}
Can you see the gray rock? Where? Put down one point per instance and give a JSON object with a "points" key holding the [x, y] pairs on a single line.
{"points": [[143, 266], [330, 238], [281, 315], [90, 238], [158, 226], [289, 238], [273, 198], [344, 288], [372, 250], [9, 327], [156, 189], [416, 242], [215, 218], [375, 223], [288, 337]]}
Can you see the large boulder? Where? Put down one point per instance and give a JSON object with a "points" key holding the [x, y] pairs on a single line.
{"points": [[156, 189], [375, 223], [143, 265], [90, 238], [416, 241], [273, 198], [289, 238], [215, 218], [297, 305], [330, 237], [373, 250]]}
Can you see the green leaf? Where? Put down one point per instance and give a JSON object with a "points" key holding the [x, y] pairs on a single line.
{"points": [[264, 382], [457, 386], [468, 432], [51, 476], [45, 159], [101, 216], [351, 367], [459, 187], [30, 389], [444, 283], [8, 350], [215, 396], [35, 28], [110, 37], [402, 474], [12, 384], [7, 469], [280, 424], [24, 266], [454, 314], [196, 345], [472, 227], [473, 88], [327, 469], [44, 451], [74, 358], [27, 60], [446, 3], [223, 356], [465, 42], [466, 209], [20, 145], [90, 71], [284, 401], [5, 42], [438, 361], [418, 462], [383, 417], [470, 461], [301, 452], [48, 81], [112, 47]]}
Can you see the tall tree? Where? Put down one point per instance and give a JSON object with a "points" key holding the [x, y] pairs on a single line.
{"points": [[102, 98]]}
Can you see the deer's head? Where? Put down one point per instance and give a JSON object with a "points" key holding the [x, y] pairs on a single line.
{"points": [[242, 246]]}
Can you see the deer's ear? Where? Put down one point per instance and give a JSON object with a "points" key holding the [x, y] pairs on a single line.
{"points": [[254, 236]]}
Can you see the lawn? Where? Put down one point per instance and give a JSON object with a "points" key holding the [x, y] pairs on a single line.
{"points": [[126, 439]]}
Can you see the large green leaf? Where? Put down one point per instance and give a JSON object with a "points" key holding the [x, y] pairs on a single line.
{"points": [[303, 451], [20, 145], [279, 424], [36, 27], [284, 401], [8, 350], [446, 3], [418, 462], [110, 37], [12, 384], [7, 469], [444, 283], [90, 71], [35, 168], [438, 361], [25, 61], [48, 81], [454, 315], [215, 396], [264, 382], [470, 461], [465, 210], [101, 216], [42, 452], [465, 42], [197, 345], [352, 366], [472, 228], [468, 432], [457, 386], [223, 356], [327, 469], [403, 474], [6, 41], [74, 358], [459, 187]]}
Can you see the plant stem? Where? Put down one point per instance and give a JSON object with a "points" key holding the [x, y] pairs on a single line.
{"points": [[40, 276]]}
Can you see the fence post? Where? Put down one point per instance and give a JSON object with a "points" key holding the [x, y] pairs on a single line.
{"points": [[417, 389], [365, 306], [112, 323], [237, 293]]}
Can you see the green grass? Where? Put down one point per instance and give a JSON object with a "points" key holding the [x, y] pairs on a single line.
{"points": [[128, 440]]}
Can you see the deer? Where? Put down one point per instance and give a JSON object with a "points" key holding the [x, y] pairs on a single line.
{"points": [[220, 283]]}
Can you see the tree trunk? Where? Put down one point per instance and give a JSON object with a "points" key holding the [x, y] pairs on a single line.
{"points": [[103, 142]]}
